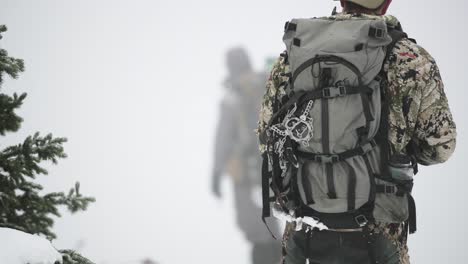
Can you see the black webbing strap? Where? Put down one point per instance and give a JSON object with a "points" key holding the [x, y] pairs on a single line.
{"points": [[399, 189], [295, 198], [382, 136], [268, 227], [276, 175], [289, 152], [291, 101], [413, 151], [327, 92], [325, 76], [347, 220], [333, 158], [326, 149], [412, 214], [326, 58], [396, 34], [386, 189], [366, 108], [266, 175], [330, 181], [333, 92], [370, 172], [307, 185], [352, 182]]}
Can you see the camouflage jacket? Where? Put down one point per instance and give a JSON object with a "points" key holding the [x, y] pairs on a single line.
{"points": [[419, 109]]}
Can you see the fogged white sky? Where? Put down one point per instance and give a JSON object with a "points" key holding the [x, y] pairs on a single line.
{"points": [[135, 86]]}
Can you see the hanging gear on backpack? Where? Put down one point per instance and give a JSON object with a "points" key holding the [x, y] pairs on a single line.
{"points": [[328, 155]]}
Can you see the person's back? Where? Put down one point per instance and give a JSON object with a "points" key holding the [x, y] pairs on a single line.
{"points": [[415, 120]]}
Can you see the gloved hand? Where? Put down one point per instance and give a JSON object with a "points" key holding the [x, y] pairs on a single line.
{"points": [[216, 185]]}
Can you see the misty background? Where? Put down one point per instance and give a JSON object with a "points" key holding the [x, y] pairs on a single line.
{"points": [[136, 85]]}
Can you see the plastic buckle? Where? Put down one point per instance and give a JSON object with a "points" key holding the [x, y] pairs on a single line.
{"points": [[379, 33], [376, 32], [389, 189], [327, 158], [367, 148], [342, 90], [326, 93], [361, 220], [331, 92]]}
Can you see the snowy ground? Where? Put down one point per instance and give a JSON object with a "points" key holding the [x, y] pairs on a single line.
{"points": [[18, 247]]}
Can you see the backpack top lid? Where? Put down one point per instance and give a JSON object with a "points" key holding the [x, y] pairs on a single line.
{"points": [[360, 41]]}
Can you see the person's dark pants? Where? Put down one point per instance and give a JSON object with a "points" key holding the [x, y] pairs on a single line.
{"points": [[330, 247]]}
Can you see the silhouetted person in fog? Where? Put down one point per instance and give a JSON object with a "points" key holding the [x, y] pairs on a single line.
{"points": [[236, 153], [149, 261]]}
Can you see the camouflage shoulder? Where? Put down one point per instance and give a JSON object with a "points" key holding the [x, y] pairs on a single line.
{"points": [[275, 90], [408, 55], [281, 66], [391, 21], [415, 63], [279, 77]]}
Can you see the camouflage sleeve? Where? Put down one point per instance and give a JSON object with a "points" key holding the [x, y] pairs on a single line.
{"points": [[275, 92], [419, 110]]}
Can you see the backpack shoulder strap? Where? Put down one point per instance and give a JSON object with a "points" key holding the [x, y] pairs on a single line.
{"points": [[396, 34]]}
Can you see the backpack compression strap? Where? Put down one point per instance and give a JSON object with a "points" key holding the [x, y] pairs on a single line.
{"points": [[300, 97]]}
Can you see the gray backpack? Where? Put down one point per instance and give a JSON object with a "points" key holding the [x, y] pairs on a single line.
{"points": [[327, 155]]}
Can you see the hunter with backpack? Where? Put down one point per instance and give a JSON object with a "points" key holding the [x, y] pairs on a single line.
{"points": [[352, 107]]}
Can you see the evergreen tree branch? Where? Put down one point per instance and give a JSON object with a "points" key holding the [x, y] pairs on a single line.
{"points": [[22, 206], [71, 257], [9, 65], [9, 121], [20, 198]]}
